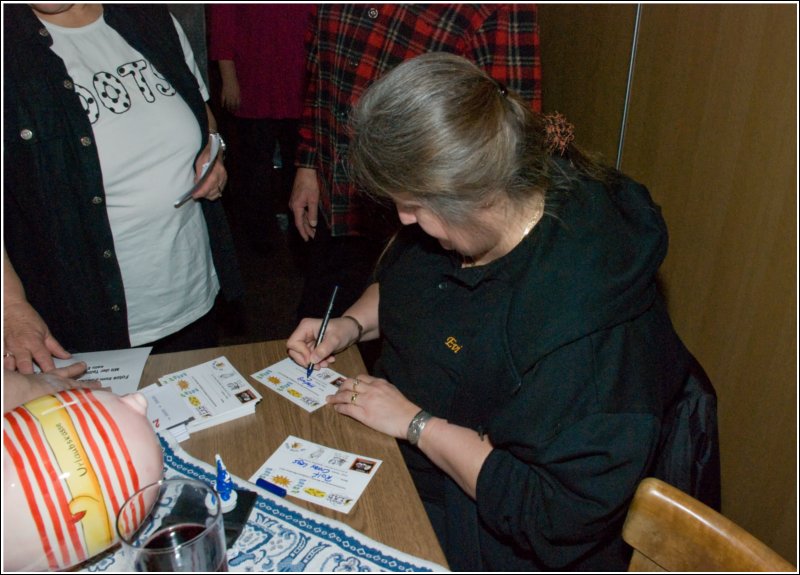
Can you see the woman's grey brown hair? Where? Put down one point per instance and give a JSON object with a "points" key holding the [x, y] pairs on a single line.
{"points": [[439, 128]]}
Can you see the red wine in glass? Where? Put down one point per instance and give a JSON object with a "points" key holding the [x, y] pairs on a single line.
{"points": [[184, 560]]}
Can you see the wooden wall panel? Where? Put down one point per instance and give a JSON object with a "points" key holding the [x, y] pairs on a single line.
{"points": [[712, 132], [585, 55]]}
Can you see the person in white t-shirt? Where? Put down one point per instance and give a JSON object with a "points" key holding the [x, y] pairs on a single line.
{"points": [[147, 139]]}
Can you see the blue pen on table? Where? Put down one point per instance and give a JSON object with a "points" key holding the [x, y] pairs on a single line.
{"points": [[271, 487], [322, 328]]}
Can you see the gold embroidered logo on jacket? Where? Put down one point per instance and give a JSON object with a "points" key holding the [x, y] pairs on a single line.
{"points": [[451, 343]]}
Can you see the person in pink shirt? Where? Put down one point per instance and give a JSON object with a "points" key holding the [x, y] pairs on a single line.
{"points": [[261, 57]]}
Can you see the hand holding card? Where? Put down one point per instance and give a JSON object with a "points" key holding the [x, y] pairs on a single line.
{"points": [[212, 158]]}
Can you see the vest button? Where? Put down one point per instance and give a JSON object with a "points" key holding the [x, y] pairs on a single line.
{"points": [[107, 254], [115, 307], [86, 141], [43, 32], [68, 84], [372, 13], [97, 200], [26, 134]]}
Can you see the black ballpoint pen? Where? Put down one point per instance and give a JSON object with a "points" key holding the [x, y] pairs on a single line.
{"points": [[322, 328]]}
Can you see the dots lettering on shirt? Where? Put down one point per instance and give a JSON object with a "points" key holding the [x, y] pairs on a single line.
{"points": [[112, 92], [135, 70], [110, 89]]}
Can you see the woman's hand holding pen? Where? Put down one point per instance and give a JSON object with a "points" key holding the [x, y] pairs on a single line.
{"points": [[339, 335]]}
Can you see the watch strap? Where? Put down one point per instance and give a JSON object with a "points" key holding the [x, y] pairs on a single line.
{"points": [[416, 426]]}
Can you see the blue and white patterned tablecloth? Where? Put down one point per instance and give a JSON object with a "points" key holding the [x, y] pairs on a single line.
{"points": [[280, 536]]}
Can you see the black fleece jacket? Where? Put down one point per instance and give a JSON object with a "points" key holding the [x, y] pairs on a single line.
{"points": [[561, 352]]}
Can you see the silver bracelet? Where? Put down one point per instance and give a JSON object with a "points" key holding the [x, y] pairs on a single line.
{"points": [[358, 325], [417, 425]]}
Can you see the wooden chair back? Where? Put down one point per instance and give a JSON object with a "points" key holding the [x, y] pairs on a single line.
{"points": [[671, 531]]}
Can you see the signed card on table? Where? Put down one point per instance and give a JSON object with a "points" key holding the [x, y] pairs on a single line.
{"points": [[329, 477], [289, 379]]}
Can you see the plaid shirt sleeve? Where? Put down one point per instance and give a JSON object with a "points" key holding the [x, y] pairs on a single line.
{"points": [[307, 150], [351, 45], [506, 46]]}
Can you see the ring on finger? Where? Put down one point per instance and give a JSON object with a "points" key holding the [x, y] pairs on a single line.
{"points": [[7, 354], [356, 384], [353, 398]]}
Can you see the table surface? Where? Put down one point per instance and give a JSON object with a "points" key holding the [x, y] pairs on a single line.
{"points": [[389, 510]]}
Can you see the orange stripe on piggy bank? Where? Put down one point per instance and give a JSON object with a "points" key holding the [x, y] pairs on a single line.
{"points": [[69, 462]]}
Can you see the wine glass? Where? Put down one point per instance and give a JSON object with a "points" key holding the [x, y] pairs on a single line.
{"points": [[173, 525]]}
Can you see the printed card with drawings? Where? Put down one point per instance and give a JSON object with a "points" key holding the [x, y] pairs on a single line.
{"points": [[323, 475], [214, 391], [166, 409], [289, 379], [119, 369]]}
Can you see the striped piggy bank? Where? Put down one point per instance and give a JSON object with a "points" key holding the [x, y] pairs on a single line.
{"points": [[70, 460]]}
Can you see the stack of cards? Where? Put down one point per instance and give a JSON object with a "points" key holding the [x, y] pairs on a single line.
{"points": [[200, 397]]}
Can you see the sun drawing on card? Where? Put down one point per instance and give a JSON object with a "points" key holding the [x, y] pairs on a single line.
{"points": [[273, 380], [281, 480]]}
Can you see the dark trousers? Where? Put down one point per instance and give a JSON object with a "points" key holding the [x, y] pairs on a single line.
{"points": [[348, 262], [199, 334], [263, 189]]}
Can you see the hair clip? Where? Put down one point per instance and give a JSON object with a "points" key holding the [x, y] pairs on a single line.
{"points": [[558, 133], [501, 87]]}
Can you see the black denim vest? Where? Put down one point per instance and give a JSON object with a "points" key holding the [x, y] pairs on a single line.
{"points": [[57, 233]]}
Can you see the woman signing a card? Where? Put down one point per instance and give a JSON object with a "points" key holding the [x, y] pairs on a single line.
{"points": [[528, 362]]}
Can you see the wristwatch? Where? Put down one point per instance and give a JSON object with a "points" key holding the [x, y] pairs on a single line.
{"points": [[417, 425]]}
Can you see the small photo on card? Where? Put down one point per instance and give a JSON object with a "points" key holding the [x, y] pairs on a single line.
{"points": [[363, 465]]}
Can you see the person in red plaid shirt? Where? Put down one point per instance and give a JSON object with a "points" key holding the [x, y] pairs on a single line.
{"points": [[348, 47]]}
